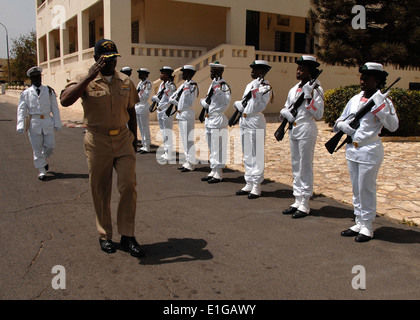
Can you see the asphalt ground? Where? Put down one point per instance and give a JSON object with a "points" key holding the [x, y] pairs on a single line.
{"points": [[202, 242]]}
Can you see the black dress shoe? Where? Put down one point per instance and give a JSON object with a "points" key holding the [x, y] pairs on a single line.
{"points": [[142, 152], [108, 246], [214, 180], [242, 193], [253, 196], [349, 233], [206, 178], [181, 168], [362, 238], [299, 214], [130, 244], [291, 210], [186, 170]]}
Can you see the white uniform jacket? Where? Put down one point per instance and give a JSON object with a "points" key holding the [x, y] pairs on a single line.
{"points": [[143, 89], [310, 110], [252, 116], [168, 89], [39, 107], [371, 124], [220, 101], [189, 93]]}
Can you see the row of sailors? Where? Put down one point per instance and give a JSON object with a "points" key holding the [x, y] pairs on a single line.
{"points": [[363, 159]]}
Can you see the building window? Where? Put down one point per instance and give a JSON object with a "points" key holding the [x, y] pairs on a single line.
{"points": [[92, 34], [283, 21], [282, 41], [300, 43], [135, 31]]}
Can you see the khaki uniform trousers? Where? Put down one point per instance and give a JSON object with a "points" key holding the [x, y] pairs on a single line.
{"points": [[104, 153]]}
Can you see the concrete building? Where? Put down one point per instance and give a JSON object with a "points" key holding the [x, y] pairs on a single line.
{"points": [[154, 33]]}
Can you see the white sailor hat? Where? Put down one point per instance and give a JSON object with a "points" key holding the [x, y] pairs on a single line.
{"points": [[33, 71], [166, 68], [373, 67], [145, 70], [260, 63], [126, 69], [308, 60], [217, 64], [188, 67]]}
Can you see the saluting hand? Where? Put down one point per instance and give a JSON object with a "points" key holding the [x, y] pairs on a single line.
{"points": [[96, 68]]}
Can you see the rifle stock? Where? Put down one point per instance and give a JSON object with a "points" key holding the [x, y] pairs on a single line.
{"points": [[280, 132], [331, 144]]}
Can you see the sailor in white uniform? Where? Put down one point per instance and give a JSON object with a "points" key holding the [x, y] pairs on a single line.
{"points": [[252, 127], [303, 133], [166, 90], [144, 89], [38, 114], [183, 99], [215, 104], [365, 155]]}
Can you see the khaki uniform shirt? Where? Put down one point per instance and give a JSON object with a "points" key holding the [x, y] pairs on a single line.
{"points": [[105, 104]]}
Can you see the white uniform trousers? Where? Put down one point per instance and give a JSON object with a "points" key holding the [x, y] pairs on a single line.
{"points": [[43, 147], [186, 132], [166, 128], [302, 155], [253, 144], [144, 127], [363, 179], [217, 143]]}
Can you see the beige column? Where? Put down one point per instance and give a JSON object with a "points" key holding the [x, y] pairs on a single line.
{"points": [[117, 24], [236, 25]]}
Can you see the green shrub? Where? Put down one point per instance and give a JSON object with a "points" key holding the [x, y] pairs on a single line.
{"points": [[406, 102]]}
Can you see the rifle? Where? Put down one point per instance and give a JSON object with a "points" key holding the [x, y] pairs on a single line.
{"points": [[178, 96], [153, 107], [280, 132], [355, 123], [234, 119], [208, 101]]}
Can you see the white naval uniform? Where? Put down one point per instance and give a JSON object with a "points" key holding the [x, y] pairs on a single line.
{"points": [[252, 127], [302, 140], [186, 120], [365, 158], [165, 122], [216, 126], [42, 124], [142, 112]]}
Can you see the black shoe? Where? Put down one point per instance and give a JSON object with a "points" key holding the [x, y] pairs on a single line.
{"points": [[242, 193], [181, 168], [214, 180], [42, 177], [253, 196], [291, 210], [186, 170], [206, 178], [349, 233], [142, 152], [130, 244], [47, 167], [299, 214], [362, 238], [108, 246]]}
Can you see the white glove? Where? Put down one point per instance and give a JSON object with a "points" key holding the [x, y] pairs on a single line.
{"points": [[285, 113], [379, 99], [174, 102], [155, 99], [20, 131], [256, 83], [345, 127], [238, 106], [204, 104], [307, 90]]}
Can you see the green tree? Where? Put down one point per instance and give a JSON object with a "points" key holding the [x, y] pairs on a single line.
{"points": [[392, 33], [23, 54]]}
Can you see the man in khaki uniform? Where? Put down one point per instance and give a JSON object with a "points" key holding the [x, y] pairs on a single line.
{"points": [[108, 99]]}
